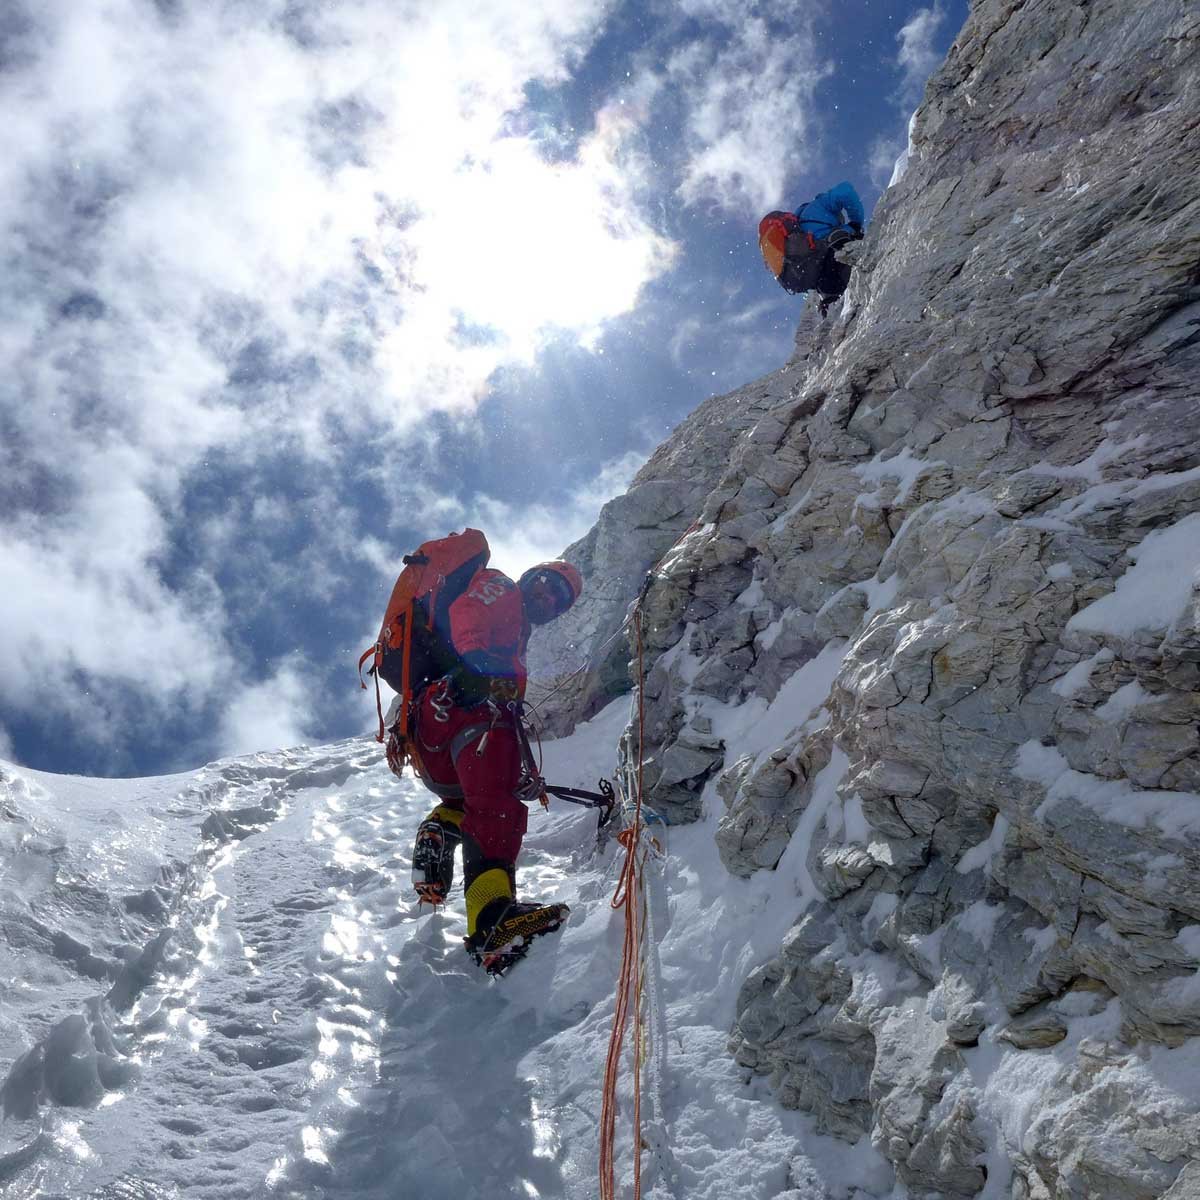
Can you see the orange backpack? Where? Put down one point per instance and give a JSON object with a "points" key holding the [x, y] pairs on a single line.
{"points": [[413, 646], [792, 256]]}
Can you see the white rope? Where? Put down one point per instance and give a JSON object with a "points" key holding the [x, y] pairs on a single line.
{"points": [[652, 863], [653, 841]]}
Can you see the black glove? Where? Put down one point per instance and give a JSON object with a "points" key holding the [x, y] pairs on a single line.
{"points": [[857, 230]]}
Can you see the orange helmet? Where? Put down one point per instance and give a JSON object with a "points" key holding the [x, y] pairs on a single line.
{"points": [[565, 571]]}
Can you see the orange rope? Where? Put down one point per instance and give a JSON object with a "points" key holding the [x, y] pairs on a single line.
{"points": [[626, 896]]}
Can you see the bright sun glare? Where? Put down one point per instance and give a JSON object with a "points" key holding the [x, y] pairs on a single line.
{"points": [[521, 245]]}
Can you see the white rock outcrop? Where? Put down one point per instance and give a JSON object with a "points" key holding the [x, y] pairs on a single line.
{"points": [[978, 486]]}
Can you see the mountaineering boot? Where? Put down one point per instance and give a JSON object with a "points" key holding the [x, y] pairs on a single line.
{"points": [[496, 919], [514, 919], [433, 854], [494, 945]]}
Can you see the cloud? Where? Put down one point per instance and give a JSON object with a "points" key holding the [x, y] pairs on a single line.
{"points": [[916, 59], [918, 56], [724, 345], [881, 159], [522, 535], [6, 746], [683, 341], [271, 715], [519, 535], [202, 149], [261, 264], [236, 233], [749, 110]]}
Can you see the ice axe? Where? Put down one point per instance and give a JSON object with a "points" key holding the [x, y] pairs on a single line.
{"points": [[603, 800]]}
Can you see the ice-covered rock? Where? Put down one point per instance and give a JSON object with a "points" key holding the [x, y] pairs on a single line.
{"points": [[979, 483]]}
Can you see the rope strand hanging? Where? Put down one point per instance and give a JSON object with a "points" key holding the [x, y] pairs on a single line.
{"points": [[627, 897], [630, 897]]}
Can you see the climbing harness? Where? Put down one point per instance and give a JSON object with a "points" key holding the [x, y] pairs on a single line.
{"points": [[406, 746], [440, 701]]}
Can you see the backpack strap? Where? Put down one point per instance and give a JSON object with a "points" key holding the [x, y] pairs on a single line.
{"points": [[406, 661], [377, 651], [405, 672]]}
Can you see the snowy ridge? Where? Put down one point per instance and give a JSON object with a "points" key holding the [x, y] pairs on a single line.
{"points": [[261, 1010]]}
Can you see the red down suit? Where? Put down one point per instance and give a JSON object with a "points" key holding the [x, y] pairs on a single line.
{"points": [[470, 760]]}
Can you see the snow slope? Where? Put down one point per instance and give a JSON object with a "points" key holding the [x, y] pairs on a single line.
{"points": [[218, 985]]}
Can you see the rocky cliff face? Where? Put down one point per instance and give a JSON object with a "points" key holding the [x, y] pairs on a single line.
{"points": [[581, 662], [973, 502]]}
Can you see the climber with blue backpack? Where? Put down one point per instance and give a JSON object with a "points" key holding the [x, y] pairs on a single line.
{"points": [[800, 248]]}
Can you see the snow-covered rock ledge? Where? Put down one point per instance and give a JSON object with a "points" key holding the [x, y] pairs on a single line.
{"points": [[975, 514]]}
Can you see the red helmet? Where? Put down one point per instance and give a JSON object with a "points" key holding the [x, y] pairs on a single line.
{"points": [[565, 571]]}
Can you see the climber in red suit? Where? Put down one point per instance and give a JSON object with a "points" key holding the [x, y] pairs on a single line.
{"points": [[468, 747]]}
